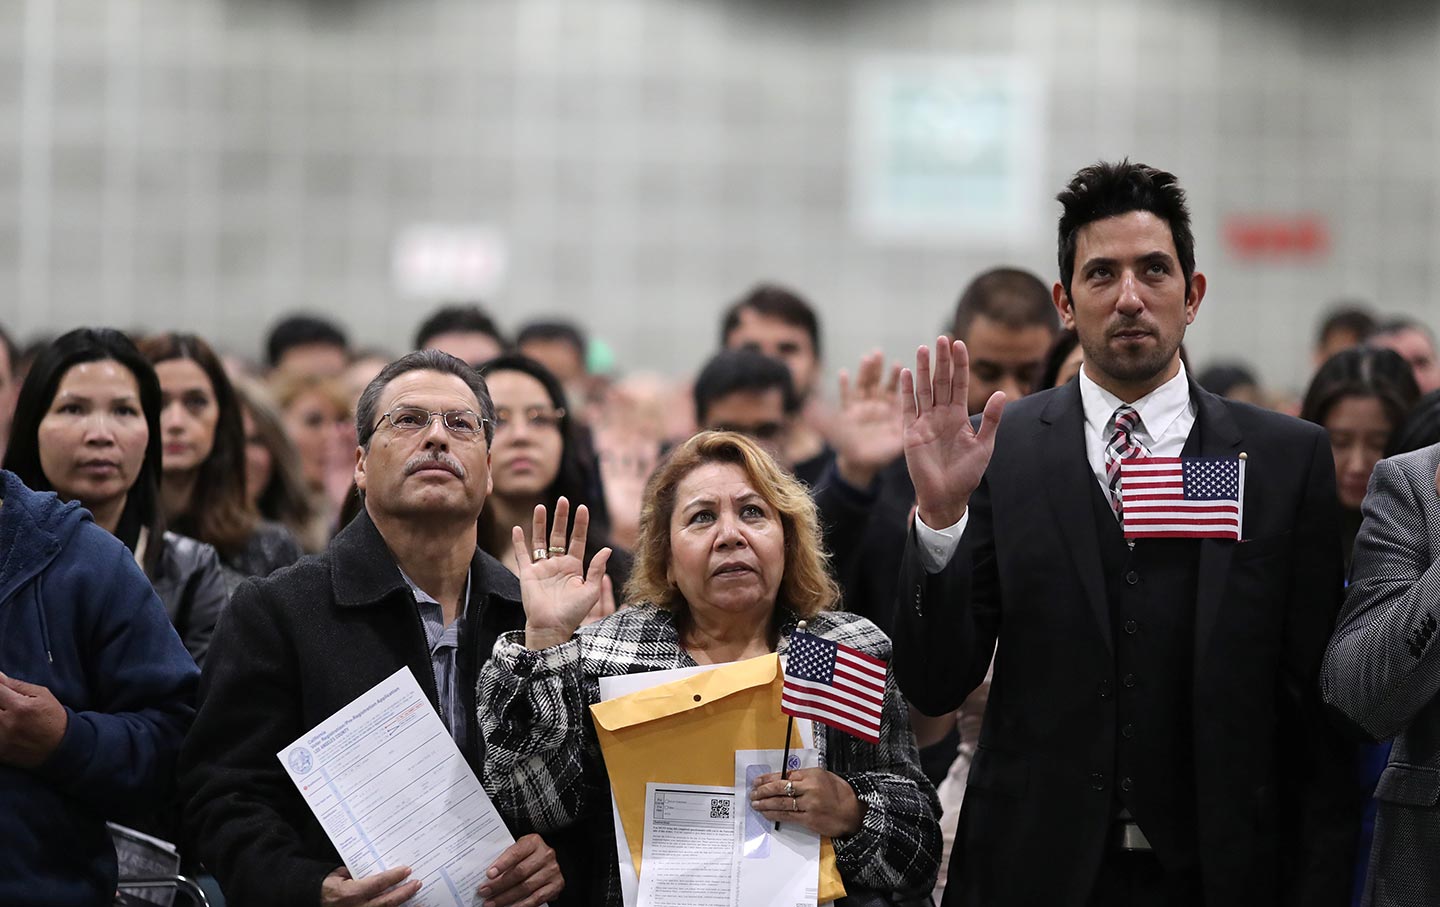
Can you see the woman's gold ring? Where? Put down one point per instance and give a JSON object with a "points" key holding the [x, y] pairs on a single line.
{"points": [[539, 554], [790, 790], [555, 550]]}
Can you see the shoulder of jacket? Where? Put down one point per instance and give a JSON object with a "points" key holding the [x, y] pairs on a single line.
{"points": [[852, 630]]}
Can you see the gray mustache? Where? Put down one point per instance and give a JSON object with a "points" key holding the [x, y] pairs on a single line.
{"points": [[415, 464]]}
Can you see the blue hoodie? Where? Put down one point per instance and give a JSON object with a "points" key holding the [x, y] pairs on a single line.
{"points": [[79, 617]]}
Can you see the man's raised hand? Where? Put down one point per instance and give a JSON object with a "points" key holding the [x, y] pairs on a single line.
{"points": [[945, 455], [866, 432]]}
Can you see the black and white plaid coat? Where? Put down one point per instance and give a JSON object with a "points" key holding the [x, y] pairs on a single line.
{"points": [[1382, 670], [544, 769]]}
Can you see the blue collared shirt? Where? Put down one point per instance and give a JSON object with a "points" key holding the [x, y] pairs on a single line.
{"points": [[444, 643]]}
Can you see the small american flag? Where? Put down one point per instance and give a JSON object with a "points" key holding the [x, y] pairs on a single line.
{"points": [[1182, 497], [835, 685]]}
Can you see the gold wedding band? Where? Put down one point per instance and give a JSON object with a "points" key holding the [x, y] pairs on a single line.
{"points": [[539, 554], [555, 550], [790, 790]]}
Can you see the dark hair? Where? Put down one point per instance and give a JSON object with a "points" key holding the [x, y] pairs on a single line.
{"points": [[1392, 326], [285, 498], [773, 301], [1362, 372], [467, 318], [420, 361], [301, 330], [1421, 428], [735, 371], [22, 456], [576, 478], [1065, 343], [1107, 190], [562, 331], [1223, 377], [1015, 298], [218, 511], [1351, 318]]}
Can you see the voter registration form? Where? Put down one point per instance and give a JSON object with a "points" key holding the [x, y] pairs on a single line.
{"points": [[390, 788]]}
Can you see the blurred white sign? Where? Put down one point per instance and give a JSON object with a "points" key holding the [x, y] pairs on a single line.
{"points": [[948, 148], [449, 261]]}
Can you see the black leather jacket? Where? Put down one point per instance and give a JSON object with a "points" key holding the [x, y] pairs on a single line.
{"points": [[192, 587]]}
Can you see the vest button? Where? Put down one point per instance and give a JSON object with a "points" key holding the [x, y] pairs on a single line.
{"points": [[1129, 681], [1126, 784], [1104, 689], [1128, 731], [1097, 781], [1131, 627], [1132, 577]]}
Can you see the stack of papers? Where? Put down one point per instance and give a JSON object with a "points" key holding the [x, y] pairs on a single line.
{"points": [[390, 788]]}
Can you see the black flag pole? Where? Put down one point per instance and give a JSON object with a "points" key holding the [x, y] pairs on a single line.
{"points": [[789, 727], [785, 759]]}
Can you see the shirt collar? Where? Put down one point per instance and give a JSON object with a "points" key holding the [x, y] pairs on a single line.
{"points": [[424, 598], [1158, 409]]}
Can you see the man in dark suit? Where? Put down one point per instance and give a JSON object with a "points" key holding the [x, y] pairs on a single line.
{"points": [[1154, 733]]}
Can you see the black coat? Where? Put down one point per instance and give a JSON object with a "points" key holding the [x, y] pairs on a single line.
{"points": [[1275, 818], [290, 651]]}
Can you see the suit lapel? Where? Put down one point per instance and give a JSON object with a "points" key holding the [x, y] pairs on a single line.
{"points": [[1218, 437], [1068, 479]]}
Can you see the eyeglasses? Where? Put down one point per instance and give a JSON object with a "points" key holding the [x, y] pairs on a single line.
{"points": [[534, 417], [413, 419]]}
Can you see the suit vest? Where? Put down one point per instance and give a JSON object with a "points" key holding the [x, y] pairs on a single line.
{"points": [[1150, 589]]}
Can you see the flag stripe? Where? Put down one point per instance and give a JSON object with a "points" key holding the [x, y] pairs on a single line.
{"points": [[818, 692], [850, 677], [831, 714], [861, 670], [860, 659], [825, 716], [1153, 502]]}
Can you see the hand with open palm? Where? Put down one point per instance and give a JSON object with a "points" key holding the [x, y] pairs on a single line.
{"points": [[866, 432], [555, 588], [945, 455]]}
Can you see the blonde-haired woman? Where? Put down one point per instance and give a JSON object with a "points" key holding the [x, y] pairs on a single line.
{"points": [[728, 559]]}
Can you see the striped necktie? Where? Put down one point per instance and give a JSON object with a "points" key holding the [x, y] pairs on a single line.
{"points": [[1122, 446]]}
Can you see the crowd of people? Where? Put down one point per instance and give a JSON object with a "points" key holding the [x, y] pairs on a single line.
{"points": [[204, 556]]}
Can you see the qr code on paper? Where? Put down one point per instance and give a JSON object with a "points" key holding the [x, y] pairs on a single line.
{"points": [[719, 809]]}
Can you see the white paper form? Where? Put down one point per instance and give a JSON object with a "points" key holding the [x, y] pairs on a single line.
{"points": [[688, 858], [390, 788], [623, 685], [776, 868]]}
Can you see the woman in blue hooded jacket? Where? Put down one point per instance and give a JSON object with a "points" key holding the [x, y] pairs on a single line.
{"points": [[96, 693]]}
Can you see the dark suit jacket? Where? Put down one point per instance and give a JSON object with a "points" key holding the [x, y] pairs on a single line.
{"points": [[1276, 814], [290, 651]]}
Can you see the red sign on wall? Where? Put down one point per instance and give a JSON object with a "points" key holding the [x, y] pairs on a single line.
{"points": [[1276, 236]]}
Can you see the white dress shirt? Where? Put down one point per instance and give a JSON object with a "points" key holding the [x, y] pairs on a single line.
{"points": [[1166, 416]]}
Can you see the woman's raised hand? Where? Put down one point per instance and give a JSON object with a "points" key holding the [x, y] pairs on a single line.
{"points": [[554, 587]]}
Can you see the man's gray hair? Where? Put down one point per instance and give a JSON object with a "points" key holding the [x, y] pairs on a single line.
{"points": [[366, 414]]}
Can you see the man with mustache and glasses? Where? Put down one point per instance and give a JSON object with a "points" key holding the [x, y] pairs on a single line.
{"points": [[1154, 733], [404, 585]]}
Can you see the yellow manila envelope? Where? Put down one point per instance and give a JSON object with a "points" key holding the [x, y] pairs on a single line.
{"points": [[687, 732]]}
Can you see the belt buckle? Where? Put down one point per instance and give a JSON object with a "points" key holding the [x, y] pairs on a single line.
{"points": [[1132, 838]]}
